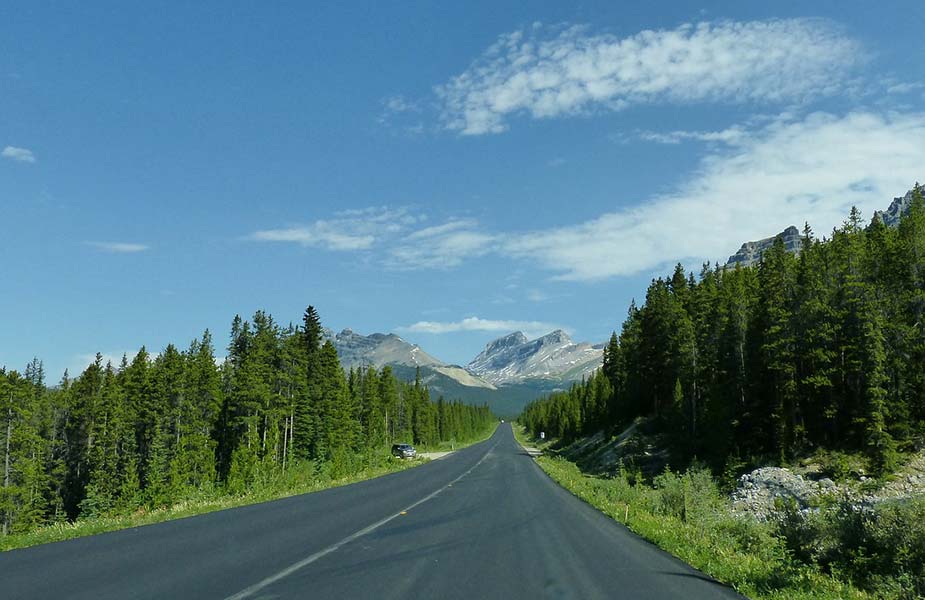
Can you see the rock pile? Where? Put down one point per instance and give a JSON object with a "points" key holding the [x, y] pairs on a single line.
{"points": [[758, 492]]}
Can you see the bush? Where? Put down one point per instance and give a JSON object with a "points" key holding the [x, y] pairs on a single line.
{"points": [[891, 546], [799, 529], [881, 549], [693, 493]]}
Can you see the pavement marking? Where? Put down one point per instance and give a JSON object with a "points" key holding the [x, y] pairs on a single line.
{"points": [[250, 591]]}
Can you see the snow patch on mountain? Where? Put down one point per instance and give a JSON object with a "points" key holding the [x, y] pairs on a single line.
{"points": [[513, 358], [381, 349]]}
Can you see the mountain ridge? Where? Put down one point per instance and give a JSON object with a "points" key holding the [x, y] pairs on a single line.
{"points": [[750, 252], [520, 369], [553, 357]]}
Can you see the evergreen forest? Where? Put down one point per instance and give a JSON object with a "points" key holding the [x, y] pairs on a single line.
{"points": [[159, 429], [819, 350]]}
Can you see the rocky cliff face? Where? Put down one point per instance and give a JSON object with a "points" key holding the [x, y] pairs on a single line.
{"points": [[750, 252], [513, 358], [898, 208], [378, 349]]}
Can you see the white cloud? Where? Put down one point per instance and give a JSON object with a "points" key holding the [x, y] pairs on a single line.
{"points": [[355, 229], [547, 72], [119, 247], [398, 233], [786, 172], [904, 87], [529, 328], [400, 104], [444, 229], [441, 249], [319, 233], [402, 114], [441, 246], [18, 154], [731, 135], [760, 178]]}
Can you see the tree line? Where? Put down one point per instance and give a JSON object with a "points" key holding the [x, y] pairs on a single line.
{"points": [[820, 350], [155, 430]]}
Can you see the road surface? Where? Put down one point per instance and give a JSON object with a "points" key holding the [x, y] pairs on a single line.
{"points": [[485, 522]]}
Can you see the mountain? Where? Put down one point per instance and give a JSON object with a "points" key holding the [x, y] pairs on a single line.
{"points": [[750, 252], [520, 370], [898, 207], [380, 349], [552, 358]]}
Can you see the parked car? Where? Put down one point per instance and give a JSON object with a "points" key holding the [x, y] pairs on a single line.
{"points": [[404, 451]]}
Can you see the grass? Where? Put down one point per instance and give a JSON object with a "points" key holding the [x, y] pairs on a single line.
{"points": [[296, 481], [685, 515]]}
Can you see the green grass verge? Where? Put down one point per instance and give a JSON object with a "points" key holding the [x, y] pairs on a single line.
{"points": [[453, 445], [296, 481], [687, 517]]}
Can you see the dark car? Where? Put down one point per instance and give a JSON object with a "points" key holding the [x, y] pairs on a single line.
{"points": [[404, 451]]}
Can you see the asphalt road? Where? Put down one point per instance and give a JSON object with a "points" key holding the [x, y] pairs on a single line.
{"points": [[484, 522]]}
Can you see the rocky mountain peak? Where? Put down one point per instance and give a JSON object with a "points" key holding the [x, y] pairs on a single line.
{"points": [[508, 341], [553, 357], [898, 207], [750, 252], [556, 337]]}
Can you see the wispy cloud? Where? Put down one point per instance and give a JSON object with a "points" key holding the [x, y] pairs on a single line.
{"points": [[356, 229], [903, 87], [529, 328], [731, 135], [119, 247], [400, 104], [786, 172], [18, 154], [547, 72], [403, 114], [442, 246], [398, 237]]}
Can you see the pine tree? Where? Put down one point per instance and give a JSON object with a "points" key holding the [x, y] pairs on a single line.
{"points": [[770, 420]]}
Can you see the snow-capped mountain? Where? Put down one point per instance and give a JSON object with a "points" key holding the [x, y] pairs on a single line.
{"points": [[380, 349], [554, 357]]}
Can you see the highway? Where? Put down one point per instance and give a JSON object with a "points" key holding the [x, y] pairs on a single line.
{"points": [[484, 522]]}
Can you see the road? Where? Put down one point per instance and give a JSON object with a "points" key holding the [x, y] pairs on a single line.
{"points": [[484, 522]]}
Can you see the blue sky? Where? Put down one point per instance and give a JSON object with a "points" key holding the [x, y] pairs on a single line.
{"points": [[449, 173]]}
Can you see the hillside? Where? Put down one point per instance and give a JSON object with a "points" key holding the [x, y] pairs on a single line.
{"points": [[796, 382]]}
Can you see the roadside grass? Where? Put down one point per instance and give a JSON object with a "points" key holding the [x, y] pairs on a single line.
{"points": [[686, 515], [453, 445], [300, 479]]}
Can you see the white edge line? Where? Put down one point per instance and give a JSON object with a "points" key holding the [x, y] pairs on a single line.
{"points": [[250, 591]]}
